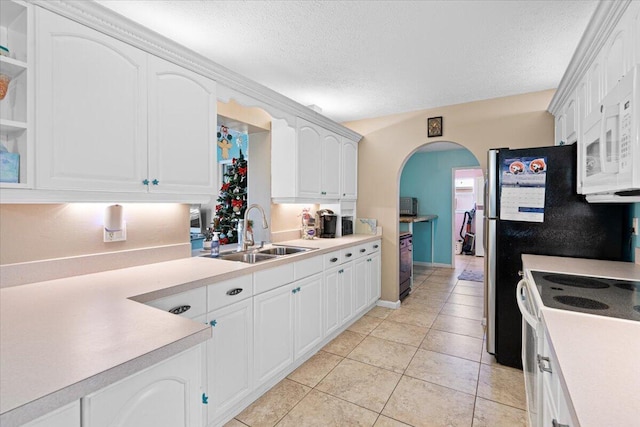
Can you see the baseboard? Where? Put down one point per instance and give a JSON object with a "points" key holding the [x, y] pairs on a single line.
{"points": [[388, 304], [435, 264]]}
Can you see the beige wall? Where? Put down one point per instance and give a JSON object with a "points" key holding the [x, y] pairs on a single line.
{"points": [[515, 121], [39, 232]]}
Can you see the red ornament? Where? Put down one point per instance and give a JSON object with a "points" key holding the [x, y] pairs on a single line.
{"points": [[218, 208], [242, 171], [233, 160], [236, 203], [224, 241], [225, 186]]}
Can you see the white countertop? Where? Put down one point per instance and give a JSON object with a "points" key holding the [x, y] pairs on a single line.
{"points": [[598, 356], [63, 339]]}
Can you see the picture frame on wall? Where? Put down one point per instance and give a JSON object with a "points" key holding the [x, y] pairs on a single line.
{"points": [[434, 126]]}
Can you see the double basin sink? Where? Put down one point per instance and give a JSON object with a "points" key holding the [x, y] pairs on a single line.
{"points": [[259, 255]]}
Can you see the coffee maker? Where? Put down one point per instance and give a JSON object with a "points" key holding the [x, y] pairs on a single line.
{"points": [[327, 223]]}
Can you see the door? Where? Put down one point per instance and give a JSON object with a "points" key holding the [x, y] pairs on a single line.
{"points": [[166, 395], [330, 164], [360, 298], [374, 278], [309, 159], [229, 357], [331, 300], [349, 169], [347, 288], [273, 332], [182, 129], [308, 314], [91, 109]]}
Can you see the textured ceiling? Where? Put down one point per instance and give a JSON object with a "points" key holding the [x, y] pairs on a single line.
{"points": [[361, 59]]}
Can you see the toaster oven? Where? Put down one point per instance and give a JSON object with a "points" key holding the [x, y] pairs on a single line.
{"points": [[408, 206]]}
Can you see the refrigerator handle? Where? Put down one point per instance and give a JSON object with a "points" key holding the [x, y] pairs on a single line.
{"points": [[490, 283], [490, 206]]}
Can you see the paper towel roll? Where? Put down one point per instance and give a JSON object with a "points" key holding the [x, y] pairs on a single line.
{"points": [[113, 218]]}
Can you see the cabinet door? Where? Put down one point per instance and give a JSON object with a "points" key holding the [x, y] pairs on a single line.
{"points": [[374, 278], [229, 356], [361, 284], [165, 395], [330, 164], [182, 129], [560, 132], [308, 314], [309, 159], [349, 169], [331, 300], [347, 285], [273, 332], [92, 109], [67, 416]]}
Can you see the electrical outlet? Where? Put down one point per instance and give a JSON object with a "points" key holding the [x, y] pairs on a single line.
{"points": [[116, 236], [635, 226]]}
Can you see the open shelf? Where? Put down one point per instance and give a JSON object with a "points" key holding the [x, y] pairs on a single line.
{"points": [[12, 67], [10, 127]]}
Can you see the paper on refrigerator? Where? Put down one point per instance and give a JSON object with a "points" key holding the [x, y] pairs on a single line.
{"points": [[522, 189]]}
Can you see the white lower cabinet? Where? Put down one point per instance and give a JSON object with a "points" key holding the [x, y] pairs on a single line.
{"points": [[346, 291], [307, 325], [272, 332], [67, 416], [361, 284], [331, 299], [167, 394], [229, 357], [375, 279]]}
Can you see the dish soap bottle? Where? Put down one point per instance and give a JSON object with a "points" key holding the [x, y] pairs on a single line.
{"points": [[215, 245]]}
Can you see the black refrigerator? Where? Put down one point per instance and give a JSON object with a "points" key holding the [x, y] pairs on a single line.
{"points": [[532, 207]]}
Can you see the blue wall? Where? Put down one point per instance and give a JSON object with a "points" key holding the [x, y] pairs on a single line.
{"points": [[428, 177]]}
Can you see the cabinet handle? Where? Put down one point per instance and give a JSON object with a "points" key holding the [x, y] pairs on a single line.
{"points": [[340, 271], [213, 323], [205, 399], [362, 250], [179, 309], [294, 290], [145, 182], [348, 255], [375, 246], [541, 366], [235, 291], [333, 260], [155, 182], [344, 194], [298, 288], [555, 423]]}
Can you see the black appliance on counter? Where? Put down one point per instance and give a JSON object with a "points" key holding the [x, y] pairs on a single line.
{"points": [[406, 263], [347, 225], [327, 223], [571, 228]]}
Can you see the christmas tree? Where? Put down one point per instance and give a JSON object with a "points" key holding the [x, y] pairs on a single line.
{"points": [[232, 201]]}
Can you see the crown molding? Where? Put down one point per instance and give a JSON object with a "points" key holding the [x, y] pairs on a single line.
{"points": [[237, 87], [600, 26]]}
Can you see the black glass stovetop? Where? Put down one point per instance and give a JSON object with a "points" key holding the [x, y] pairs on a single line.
{"points": [[592, 295]]}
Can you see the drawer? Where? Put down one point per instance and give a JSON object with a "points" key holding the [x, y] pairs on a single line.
{"points": [[332, 258], [193, 303], [272, 278], [307, 267], [227, 292], [361, 250], [348, 254], [374, 246]]}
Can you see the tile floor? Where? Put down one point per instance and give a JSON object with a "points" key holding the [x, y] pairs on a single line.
{"points": [[421, 365]]}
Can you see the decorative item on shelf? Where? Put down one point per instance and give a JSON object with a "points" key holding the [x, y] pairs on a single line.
{"points": [[308, 224], [4, 85], [434, 126], [9, 165], [4, 51], [232, 200]]}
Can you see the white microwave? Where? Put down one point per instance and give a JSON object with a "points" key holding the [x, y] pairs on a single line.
{"points": [[610, 154]]}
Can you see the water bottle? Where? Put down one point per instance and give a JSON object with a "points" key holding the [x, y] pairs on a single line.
{"points": [[215, 245]]}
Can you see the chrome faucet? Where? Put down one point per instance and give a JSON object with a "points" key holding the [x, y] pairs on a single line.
{"points": [[247, 236]]}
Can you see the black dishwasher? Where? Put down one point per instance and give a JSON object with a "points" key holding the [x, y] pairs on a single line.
{"points": [[406, 263]]}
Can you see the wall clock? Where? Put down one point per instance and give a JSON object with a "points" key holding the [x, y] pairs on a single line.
{"points": [[434, 126]]}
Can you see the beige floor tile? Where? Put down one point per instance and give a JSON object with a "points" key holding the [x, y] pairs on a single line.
{"points": [[487, 358], [365, 325], [466, 300], [384, 354], [379, 312], [453, 344], [359, 383], [389, 422], [458, 325], [438, 287], [422, 404], [415, 317], [449, 371], [319, 409], [400, 332], [503, 385], [274, 404], [424, 293], [466, 311], [471, 284], [235, 423], [344, 343], [311, 372], [492, 414], [444, 272], [442, 279], [468, 290], [433, 306]]}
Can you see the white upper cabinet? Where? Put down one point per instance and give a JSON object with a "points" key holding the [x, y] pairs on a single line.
{"points": [[349, 179], [91, 110], [113, 118], [182, 129], [309, 159], [330, 164]]}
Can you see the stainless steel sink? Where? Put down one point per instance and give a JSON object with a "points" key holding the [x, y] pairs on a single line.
{"points": [[283, 250], [249, 258]]}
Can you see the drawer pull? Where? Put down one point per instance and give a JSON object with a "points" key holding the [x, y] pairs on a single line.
{"points": [[348, 255], [213, 323], [362, 251], [333, 260], [341, 271], [235, 291], [180, 309], [376, 246], [205, 399]]}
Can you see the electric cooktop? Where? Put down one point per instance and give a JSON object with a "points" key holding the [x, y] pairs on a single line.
{"points": [[592, 295]]}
